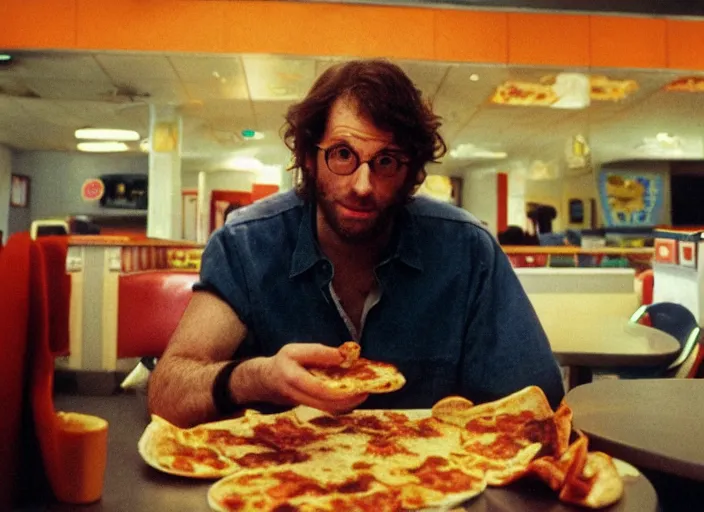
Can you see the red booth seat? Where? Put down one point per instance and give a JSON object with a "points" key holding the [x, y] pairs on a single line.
{"points": [[150, 305]]}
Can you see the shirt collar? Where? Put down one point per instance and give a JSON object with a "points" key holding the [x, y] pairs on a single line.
{"points": [[404, 245], [306, 254]]}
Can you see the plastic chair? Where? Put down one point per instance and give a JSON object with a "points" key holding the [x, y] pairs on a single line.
{"points": [[677, 321]]}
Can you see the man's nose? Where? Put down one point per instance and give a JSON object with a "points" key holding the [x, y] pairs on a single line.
{"points": [[362, 184]]}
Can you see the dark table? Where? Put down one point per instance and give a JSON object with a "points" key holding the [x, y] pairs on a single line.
{"points": [[131, 485], [651, 423]]}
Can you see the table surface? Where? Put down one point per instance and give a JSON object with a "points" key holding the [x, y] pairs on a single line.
{"points": [[609, 341], [132, 485], [651, 423]]}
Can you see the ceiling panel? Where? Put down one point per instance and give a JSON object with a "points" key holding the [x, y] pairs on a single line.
{"points": [[278, 78], [58, 65], [427, 76], [59, 89], [206, 68], [133, 68]]}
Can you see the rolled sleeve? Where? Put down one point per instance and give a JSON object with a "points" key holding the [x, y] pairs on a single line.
{"points": [[222, 273], [505, 348]]}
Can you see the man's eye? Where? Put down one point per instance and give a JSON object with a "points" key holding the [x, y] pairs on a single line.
{"points": [[342, 153], [386, 161]]}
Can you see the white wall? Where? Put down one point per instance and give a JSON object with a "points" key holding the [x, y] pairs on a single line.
{"points": [[5, 174], [57, 178]]}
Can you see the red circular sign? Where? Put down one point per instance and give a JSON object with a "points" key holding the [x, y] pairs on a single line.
{"points": [[92, 189]]}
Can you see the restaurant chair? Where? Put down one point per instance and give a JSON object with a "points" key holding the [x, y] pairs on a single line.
{"points": [[677, 321], [48, 227], [150, 306], [34, 301]]}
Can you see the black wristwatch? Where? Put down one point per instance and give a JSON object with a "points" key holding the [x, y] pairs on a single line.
{"points": [[224, 404]]}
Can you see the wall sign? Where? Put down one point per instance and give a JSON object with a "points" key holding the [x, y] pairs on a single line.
{"points": [[631, 199], [92, 189]]}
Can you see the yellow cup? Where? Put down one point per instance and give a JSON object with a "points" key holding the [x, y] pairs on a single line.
{"points": [[81, 449]]}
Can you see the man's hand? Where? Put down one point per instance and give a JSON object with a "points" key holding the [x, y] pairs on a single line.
{"points": [[284, 379]]}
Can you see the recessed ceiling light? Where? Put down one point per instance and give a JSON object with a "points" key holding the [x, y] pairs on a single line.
{"points": [[108, 134], [474, 77], [245, 163], [5, 57], [248, 134], [102, 147]]}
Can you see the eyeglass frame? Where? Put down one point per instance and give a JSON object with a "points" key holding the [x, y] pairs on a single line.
{"points": [[370, 161]]}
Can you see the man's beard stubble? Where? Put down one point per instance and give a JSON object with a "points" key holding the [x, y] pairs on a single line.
{"points": [[378, 229]]}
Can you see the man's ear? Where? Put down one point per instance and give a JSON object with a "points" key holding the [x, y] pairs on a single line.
{"points": [[310, 164]]}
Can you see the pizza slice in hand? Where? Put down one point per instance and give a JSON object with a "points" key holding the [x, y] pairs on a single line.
{"points": [[359, 375]]}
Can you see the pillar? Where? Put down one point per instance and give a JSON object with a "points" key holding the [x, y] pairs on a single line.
{"points": [[164, 214]]}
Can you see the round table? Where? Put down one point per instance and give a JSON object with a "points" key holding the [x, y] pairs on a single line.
{"points": [[586, 343], [651, 423], [132, 485]]}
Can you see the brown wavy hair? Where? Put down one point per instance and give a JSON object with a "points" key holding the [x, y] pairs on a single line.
{"points": [[382, 92]]}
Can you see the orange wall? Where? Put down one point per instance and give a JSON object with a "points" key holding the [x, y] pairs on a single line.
{"points": [[352, 30]]}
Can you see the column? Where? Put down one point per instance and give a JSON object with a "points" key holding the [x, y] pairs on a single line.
{"points": [[164, 214]]}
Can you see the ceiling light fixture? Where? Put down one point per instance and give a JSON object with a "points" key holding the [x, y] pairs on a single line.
{"points": [[245, 163], [107, 134], [474, 77], [469, 151], [102, 147], [5, 57]]}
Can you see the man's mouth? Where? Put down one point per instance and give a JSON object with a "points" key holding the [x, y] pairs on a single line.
{"points": [[357, 212]]}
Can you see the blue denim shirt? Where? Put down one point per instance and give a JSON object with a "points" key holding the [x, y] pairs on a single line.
{"points": [[452, 315]]}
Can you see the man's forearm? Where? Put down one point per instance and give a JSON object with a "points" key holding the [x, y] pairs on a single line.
{"points": [[180, 389]]}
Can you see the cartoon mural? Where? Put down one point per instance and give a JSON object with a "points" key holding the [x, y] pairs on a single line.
{"points": [[630, 199]]}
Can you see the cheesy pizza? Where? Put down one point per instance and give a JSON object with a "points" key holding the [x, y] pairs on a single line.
{"points": [[359, 375], [687, 84], [307, 460], [543, 94]]}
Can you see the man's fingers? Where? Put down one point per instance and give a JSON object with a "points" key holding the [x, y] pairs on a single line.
{"points": [[298, 377], [313, 354], [334, 406]]}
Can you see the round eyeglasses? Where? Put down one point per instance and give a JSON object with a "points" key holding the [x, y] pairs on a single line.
{"points": [[341, 159]]}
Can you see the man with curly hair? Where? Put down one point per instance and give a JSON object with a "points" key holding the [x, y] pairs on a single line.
{"points": [[350, 254]]}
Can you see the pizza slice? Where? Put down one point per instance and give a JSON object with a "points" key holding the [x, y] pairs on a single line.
{"points": [[432, 482], [514, 92], [504, 436], [164, 448], [307, 487], [687, 84], [604, 88], [359, 375], [350, 352]]}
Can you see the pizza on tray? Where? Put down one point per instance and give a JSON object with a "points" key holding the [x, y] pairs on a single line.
{"points": [[306, 460]]}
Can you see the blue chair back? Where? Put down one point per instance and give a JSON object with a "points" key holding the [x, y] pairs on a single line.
{"points": [[674, 319], [677, 321]]}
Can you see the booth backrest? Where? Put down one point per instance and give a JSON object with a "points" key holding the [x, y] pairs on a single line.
{"points": [[150, 305]]}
